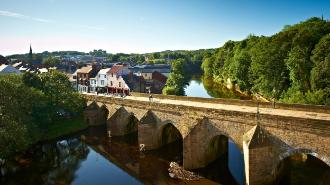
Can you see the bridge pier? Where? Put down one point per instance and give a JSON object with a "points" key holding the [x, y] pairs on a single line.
{"points": [[122, 123], [147, 128], [261, 157], [95, 114], [203, 145], [153, 133]]}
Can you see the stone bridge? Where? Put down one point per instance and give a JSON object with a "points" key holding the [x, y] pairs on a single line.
{"points": [[204, 125]]}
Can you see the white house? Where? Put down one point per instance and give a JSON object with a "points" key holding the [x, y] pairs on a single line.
{"points": [[92, 84], [116, 83], [102, 79], [8, 69]]}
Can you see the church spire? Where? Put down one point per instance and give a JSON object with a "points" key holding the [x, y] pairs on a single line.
{"points": [[30, 54]]}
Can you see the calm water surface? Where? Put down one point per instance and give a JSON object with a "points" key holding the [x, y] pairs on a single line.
{"points": [[91, 158]]}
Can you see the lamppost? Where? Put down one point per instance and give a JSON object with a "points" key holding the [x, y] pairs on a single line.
{"points": [[258, 112], [274, 95]]}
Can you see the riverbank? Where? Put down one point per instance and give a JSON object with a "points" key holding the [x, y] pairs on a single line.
{"points": [[55, 130], [64, 127]]}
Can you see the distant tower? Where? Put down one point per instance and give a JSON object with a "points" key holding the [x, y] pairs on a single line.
{"points": [[30, 55]]}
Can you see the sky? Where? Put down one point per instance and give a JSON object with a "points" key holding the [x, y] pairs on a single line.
{"points": [[142, 26]]}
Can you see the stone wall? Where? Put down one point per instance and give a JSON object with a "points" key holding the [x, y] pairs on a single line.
{"points": [[265, 143], [251, 103], [122, 123]]}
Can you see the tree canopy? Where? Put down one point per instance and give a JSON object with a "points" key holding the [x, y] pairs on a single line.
{"points": [[294, 61], [29, 103]]}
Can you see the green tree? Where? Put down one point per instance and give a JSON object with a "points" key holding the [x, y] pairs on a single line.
{"points": [[13, 137], [320, 75], [51, 61]]}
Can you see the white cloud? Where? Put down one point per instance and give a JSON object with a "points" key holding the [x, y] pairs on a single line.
{"points": [[21, 16], [13, 14]]}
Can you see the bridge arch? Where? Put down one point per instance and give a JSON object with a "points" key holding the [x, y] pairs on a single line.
{"points": [[205, 143], [301, 159], [300, 151], [121, 123], [169, 133], [95, 113]]}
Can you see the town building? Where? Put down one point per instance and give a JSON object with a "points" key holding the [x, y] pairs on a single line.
{"points": [[34, 63], [73, 80], [135, 83], [83, 76], [158, 82], [17, 65], [8, 69], [146, 70], [93, 83], [116, 82], [102, 80]]}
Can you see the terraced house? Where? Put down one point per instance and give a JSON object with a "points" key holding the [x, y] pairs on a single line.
{"points": [[83, 77]]}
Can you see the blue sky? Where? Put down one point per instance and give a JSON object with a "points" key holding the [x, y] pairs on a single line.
{"points": [[139, 26]]}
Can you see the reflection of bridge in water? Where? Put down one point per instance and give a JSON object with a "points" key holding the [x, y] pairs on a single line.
{"points": [[148, 167], [205, 125]]}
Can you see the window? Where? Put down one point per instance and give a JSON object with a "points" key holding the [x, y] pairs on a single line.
{"points": [[102, 82], [119, 84], [111, 74], [111, 83], [105, 76]]}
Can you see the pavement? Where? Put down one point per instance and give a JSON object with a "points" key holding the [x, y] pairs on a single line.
{"points": [[228, 107]]}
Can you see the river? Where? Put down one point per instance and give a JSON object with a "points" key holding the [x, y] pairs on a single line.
{"points": [[91, 158]]}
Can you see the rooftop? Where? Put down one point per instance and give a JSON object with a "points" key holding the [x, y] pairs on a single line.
{"points": [[116, 68], [104, 71], [86, 69]]}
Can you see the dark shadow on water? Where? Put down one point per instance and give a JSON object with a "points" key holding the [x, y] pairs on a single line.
{"points": [[218, 171], [305, 170]]}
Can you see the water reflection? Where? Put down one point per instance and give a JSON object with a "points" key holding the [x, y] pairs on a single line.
{"points": [[91, 158], [50, 163], [236, 162], [305, 169], [206, 87], [195, 88], [148, 167]]}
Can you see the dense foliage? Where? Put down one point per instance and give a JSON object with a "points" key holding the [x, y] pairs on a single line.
{"points": [[185, 64], [291, 66], [29, 104]]}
